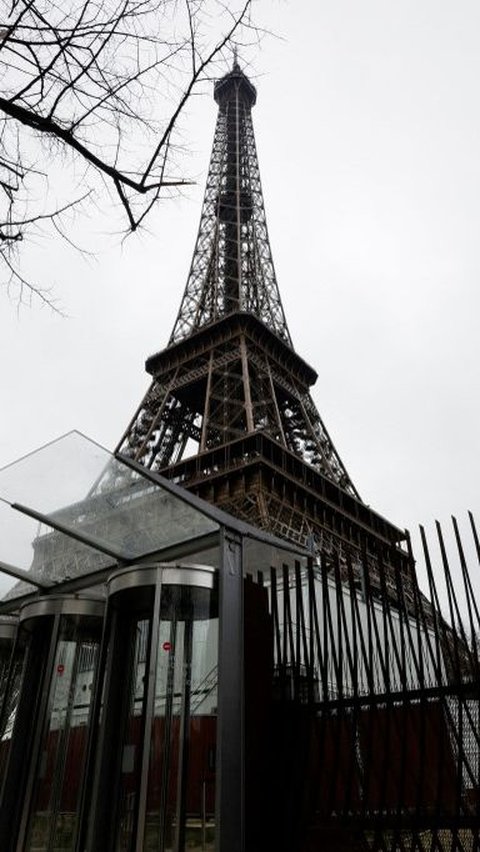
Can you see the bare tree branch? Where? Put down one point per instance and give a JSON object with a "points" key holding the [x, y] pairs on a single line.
{"points": [[107, 80]]}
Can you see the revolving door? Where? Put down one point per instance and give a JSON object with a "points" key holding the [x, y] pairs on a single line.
{"points": [[154, 786], [46, 722]]}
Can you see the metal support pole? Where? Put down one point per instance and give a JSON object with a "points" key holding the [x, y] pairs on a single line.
{"points": [[230, 816]]}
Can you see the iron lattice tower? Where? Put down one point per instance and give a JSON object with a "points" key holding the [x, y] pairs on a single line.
{"points": [[232, 267], [229, 413]]}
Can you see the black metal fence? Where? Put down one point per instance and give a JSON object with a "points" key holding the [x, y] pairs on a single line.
{"points": [[373, 739]]}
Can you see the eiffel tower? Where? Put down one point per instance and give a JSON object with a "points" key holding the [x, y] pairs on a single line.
{"points": [[229, 414]]}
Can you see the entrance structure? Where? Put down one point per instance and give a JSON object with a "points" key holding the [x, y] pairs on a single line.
{"points": [[211, 643]]}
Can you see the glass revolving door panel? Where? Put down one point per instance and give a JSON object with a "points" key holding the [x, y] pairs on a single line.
{"points": [[138, 629], [180, 792], [10, 675], [56, 777], [8, 627], [165, 779]]}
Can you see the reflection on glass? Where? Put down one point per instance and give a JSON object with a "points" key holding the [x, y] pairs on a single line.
{"points": [[48, 555], [10, 692], [132, 739], [80, 487], [53, 820], [7, 633], [181, 780]]}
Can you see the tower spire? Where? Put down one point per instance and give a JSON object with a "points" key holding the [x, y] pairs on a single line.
{"points": [[232, 267]]}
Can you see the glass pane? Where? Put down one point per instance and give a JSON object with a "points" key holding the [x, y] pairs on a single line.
{"points": [[162, 792], [77, 484], [53, 820], [11, 588], [200, 803], [259, 556], [46, 554], [181, 782], [9, 703], [57, 474], [132, 737], [18, 532], [6, 647]]}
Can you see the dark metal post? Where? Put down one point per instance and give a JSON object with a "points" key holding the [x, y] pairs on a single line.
{"points": [[230, 812]]}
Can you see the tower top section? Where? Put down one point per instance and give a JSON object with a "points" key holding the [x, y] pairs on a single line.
{"points": [[235, 84], [232, 267]]}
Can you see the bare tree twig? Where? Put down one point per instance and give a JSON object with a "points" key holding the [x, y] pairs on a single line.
{"points": [[108, 81]]}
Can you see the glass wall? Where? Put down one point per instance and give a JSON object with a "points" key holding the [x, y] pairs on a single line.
{"points": [[8, 626], [181, 773], [10, 670], [133, 728], [163, 778], [58, 774], [47, 722]]}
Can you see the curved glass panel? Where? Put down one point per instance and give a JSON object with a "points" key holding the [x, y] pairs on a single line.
{"points": [[58, 775], [12, 676], [131, 754], [160, 783], [181, 777], [7, 635]]}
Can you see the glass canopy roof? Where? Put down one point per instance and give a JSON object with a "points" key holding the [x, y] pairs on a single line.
{"points": [[72, 508]]}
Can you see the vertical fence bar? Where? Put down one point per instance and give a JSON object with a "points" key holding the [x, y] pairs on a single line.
{"points": [[276, 629], [469, 595], [289, 644]]}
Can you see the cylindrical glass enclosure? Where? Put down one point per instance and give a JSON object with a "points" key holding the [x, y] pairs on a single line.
{"points": [[49, 700], [156, 768]]}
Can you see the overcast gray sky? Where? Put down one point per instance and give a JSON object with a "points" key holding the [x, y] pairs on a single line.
{"points": [[368, 132]]}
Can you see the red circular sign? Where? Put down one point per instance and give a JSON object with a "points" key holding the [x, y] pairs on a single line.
{"points": [[60, 668], [167, 646]]}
